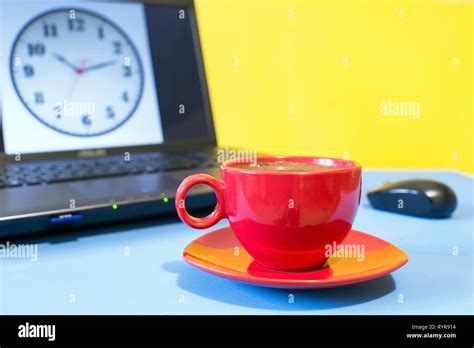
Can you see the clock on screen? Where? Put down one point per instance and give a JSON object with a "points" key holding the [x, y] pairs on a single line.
{"points": [[77, 72]]}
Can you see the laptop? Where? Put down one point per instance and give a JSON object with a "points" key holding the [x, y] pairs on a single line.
{"points": [[104, 111]]}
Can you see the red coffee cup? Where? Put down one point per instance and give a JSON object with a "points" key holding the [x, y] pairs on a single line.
{"points": [[284, 219]]}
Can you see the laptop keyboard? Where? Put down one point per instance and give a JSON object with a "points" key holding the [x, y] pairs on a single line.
{"points": [[81, 169]]}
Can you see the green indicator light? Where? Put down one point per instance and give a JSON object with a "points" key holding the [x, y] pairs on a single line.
{"points": [[165, 199], [114, 206]]}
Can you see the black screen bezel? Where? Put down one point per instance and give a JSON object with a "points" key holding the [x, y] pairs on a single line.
{"points": [[208, 141]]}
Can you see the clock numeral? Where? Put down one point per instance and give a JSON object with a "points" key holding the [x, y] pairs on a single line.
{"points": [[117, 45], [86, 120], [127, 71], [37, 49], [125, 96], [50, 30], [28, 70], [57, 111], [110, 112], [100, 33], [39, 98], [76, 24]]}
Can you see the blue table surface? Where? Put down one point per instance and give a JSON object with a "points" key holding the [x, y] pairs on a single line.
{"points": [[138, 269]]}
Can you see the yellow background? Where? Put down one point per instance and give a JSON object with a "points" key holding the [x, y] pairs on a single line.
{"points": [[309, 78]]}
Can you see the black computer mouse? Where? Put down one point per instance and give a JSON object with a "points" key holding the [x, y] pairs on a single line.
{"points": [[418, 197]]}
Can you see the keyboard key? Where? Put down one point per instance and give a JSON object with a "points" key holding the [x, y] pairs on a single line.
{"points": [[11, 182], [33, 181]]}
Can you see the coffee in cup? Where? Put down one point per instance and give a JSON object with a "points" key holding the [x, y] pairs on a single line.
{"points": [[282, 166]]}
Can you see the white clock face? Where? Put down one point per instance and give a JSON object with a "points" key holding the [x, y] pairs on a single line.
{"points": [[77, 72]]}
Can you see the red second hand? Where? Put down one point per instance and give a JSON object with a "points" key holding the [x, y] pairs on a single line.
{"points": [[80, 69]]}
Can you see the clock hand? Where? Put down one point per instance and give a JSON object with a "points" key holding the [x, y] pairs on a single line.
{"points": [[79, 72], [82, 67], [99, 66], [65, 61]]}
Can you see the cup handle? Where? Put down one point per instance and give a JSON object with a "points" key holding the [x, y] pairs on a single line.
{"points": [[218, 212]]}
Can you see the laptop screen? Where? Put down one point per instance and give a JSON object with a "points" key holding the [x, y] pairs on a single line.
{"points": [[86, 75]]}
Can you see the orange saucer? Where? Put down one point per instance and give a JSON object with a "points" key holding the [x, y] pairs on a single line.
{"points": [[361, 257]]}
